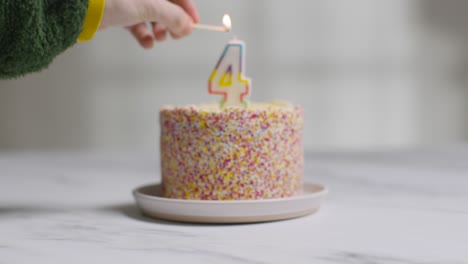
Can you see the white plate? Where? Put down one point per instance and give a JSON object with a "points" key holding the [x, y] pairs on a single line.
{"points": [[151, 203]]}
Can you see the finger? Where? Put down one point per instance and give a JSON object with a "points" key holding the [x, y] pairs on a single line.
{"points": [[143, 35], [175, 36], [173, 16], [189, 7], [159, 31]]}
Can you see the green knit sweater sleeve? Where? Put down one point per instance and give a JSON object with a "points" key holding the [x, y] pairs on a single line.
{"points": [[34, 32]]}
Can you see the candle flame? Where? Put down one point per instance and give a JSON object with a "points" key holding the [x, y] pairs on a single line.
{"points": [[227, 22]]}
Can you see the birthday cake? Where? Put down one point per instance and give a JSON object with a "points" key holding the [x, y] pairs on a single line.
{"points": [[233, 153]]}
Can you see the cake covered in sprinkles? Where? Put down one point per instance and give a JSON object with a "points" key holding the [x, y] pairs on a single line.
{"points": [[236, 153]]}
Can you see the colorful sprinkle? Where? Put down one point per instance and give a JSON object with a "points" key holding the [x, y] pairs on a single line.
{"points": [[209, 153]]}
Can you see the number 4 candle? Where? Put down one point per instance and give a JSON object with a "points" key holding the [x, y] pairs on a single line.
{"points": [[227, 78]]}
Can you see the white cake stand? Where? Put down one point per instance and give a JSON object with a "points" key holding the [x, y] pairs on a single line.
{"points": [[151, 203]]}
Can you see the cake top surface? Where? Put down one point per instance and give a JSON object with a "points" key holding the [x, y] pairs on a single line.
{"points": [[253, 107]]}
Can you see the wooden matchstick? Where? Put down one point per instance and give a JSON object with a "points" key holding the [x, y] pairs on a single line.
{"points": [[211, 27]]}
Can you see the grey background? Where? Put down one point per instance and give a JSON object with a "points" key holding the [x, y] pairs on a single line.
{"points": [[371, 74]]}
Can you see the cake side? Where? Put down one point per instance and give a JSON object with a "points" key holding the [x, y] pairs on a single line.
{"points": [[209, 153]]}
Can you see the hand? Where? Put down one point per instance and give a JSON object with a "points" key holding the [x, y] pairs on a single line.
{"points": [[173, 16]]}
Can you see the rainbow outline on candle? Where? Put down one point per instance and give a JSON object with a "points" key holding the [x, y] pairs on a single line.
{"points": [[240, 77]]}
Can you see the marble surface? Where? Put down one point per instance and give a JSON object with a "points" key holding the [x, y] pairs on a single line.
{"points": [[384, 208]]}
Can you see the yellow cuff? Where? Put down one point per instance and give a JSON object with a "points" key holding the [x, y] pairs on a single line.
{"points": [[92, 19]]}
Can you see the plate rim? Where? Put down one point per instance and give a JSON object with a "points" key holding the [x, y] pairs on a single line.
{"points": [[320, 193]]}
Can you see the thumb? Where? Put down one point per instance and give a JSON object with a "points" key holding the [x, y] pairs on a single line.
{"points": [[173, 16]]}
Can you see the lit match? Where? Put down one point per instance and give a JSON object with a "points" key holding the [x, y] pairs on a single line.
{"points": [[225, 28]]}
